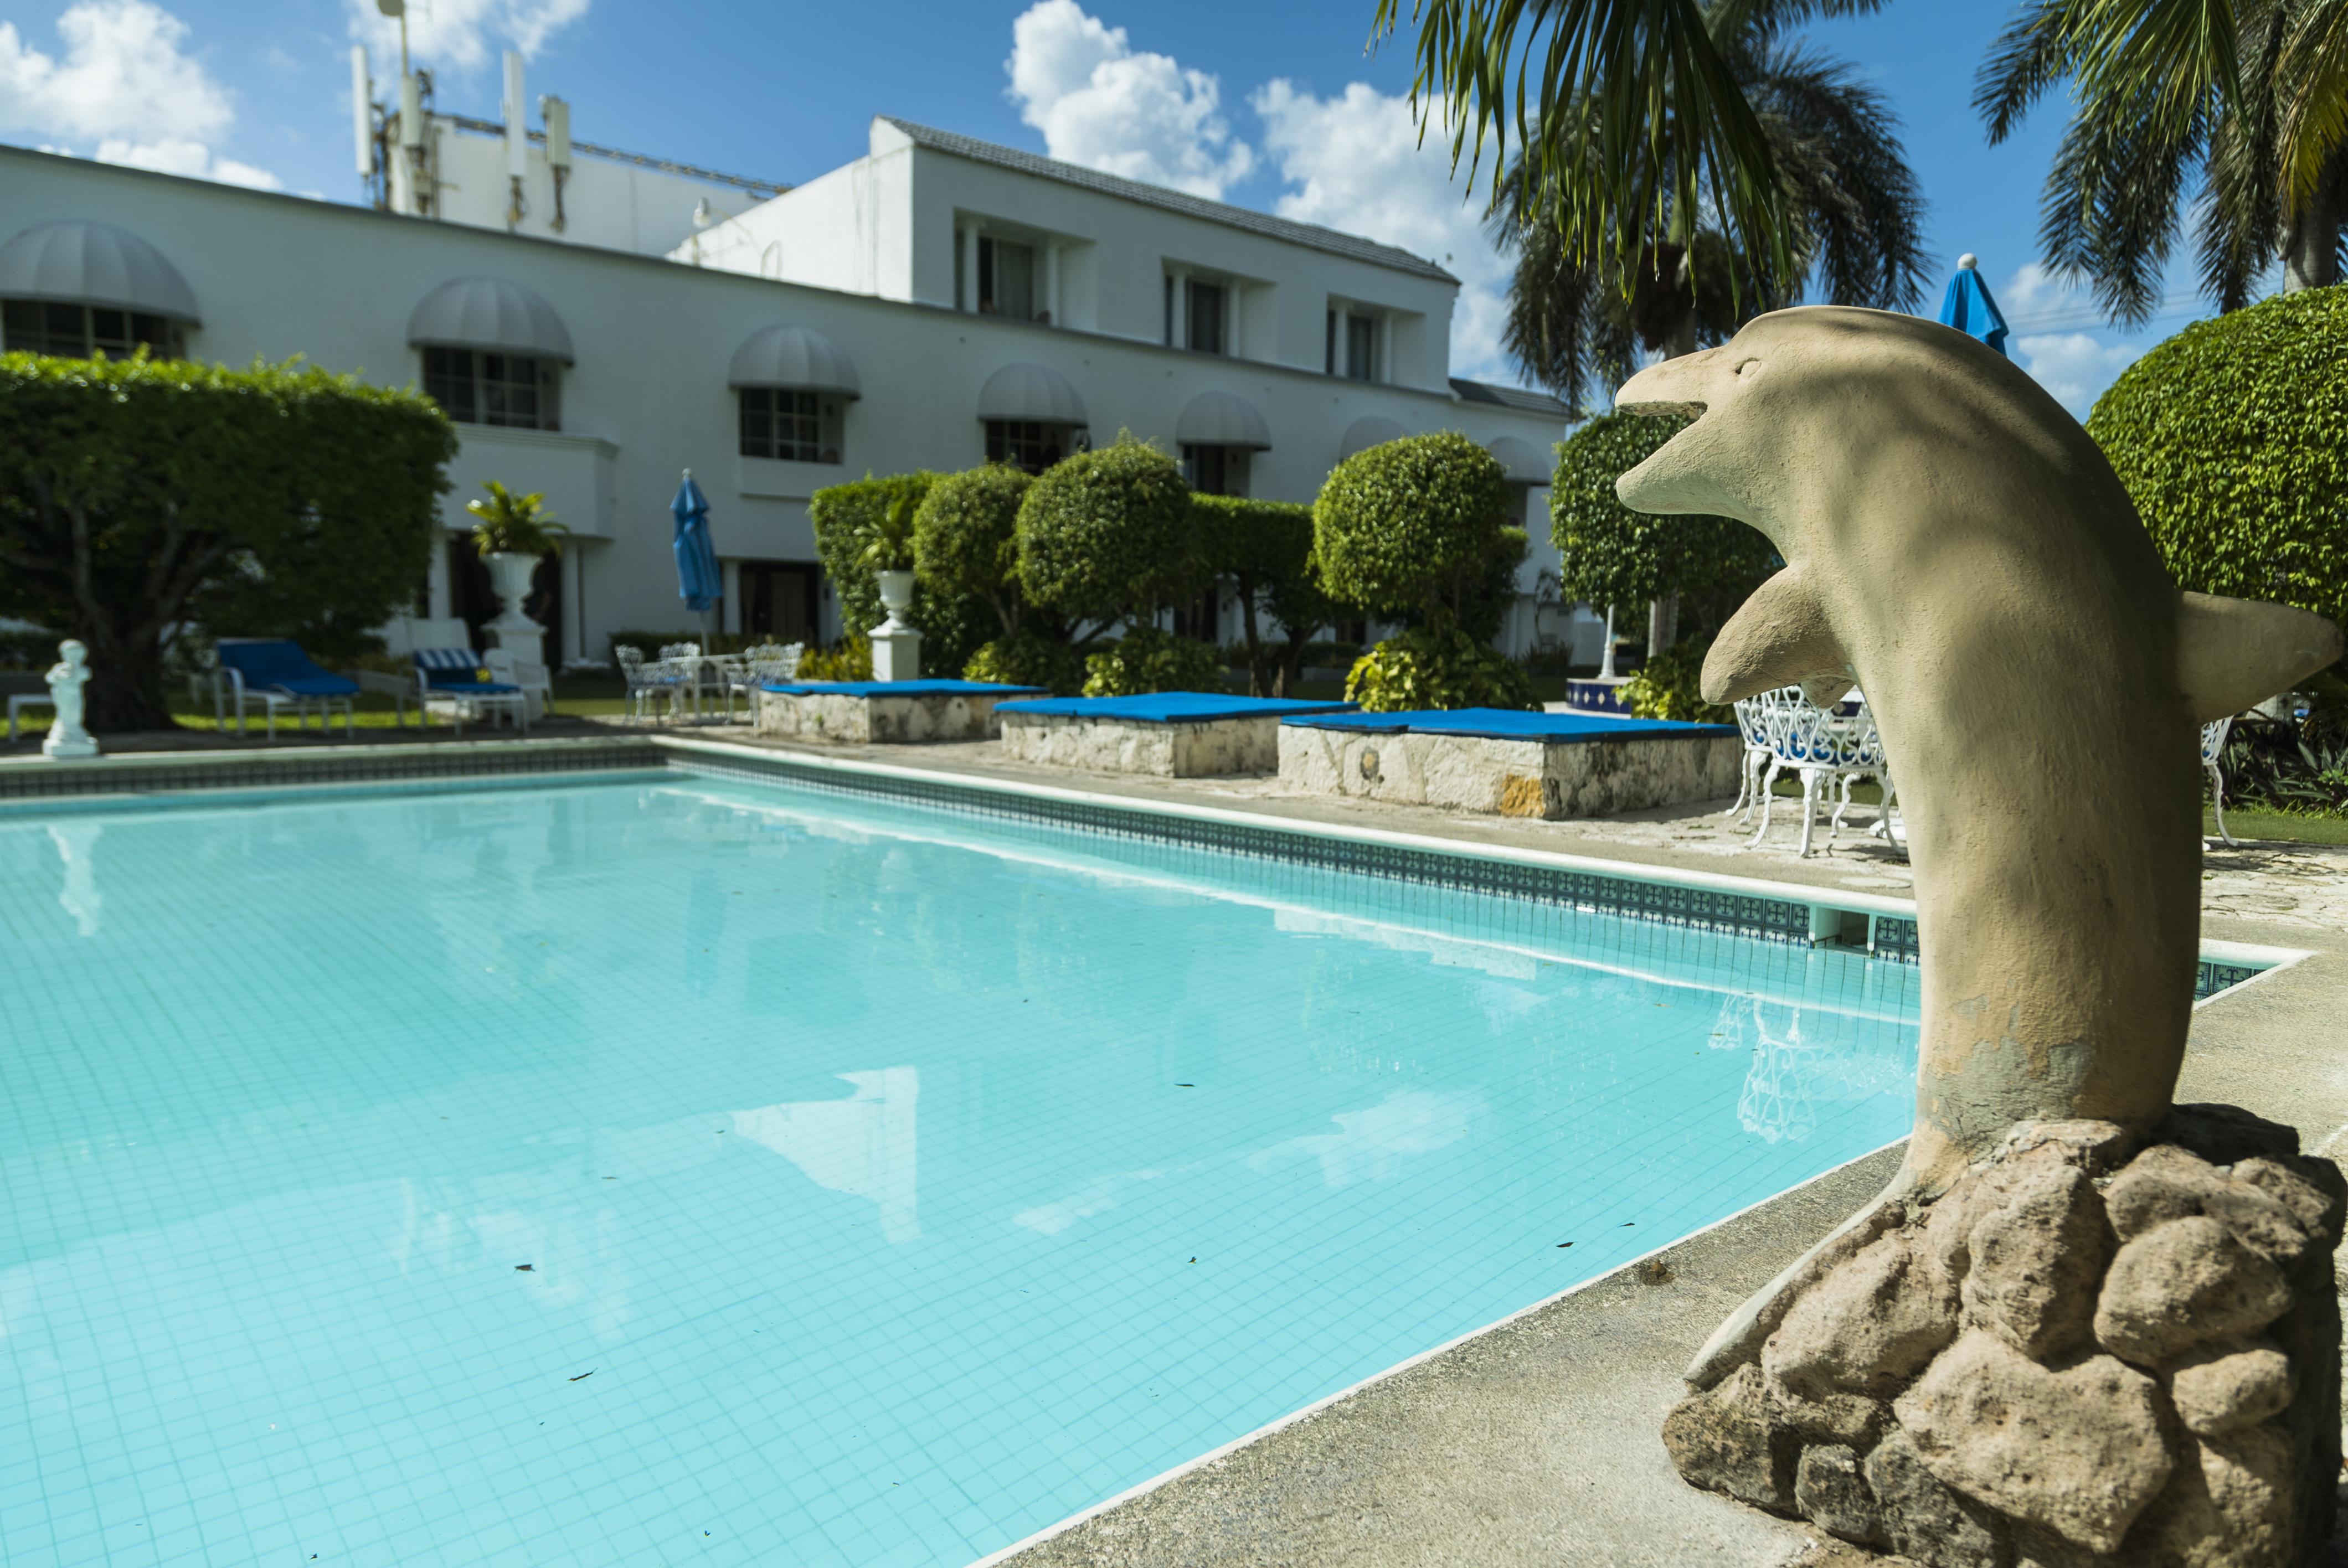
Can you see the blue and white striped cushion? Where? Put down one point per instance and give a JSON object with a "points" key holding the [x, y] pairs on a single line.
{"points": [[448, 667]]}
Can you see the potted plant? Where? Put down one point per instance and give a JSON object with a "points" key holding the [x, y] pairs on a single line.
{"points": [[888, 555], [514, 532]]}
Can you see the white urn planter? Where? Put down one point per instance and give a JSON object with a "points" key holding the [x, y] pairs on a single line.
{"points": [[896, 645], [509, 574]]}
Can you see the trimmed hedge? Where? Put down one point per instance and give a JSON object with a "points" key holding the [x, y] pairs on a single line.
{"points": [[1264, 550], [1671, 686], [136, 495], [1026, 658], [848, 520], [2229, 436], [1108, 535], [1417, 529], [1612, 554]]}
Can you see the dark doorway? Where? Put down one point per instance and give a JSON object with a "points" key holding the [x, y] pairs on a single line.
{"points": [[779, 602], [474, 602]]}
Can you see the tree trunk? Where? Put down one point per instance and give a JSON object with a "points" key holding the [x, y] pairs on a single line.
{"points": [[125, 694], [1662, 623], [2311, 246], [1257, 678]]}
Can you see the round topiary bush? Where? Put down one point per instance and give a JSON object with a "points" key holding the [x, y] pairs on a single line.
{"points": [[854, 526], [2230, 437], [1413, 530], [1437, 667], [965, 556], [1107, 534], [1612, 554], [1026, 658]]}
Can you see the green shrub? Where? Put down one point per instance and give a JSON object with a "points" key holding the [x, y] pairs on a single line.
{"points": [[1671, 686], [965, 560], [2228, 439], [1437, 667], [138, 495], [1108, 535], [860, 526], [849, 659], [1028, 659], [1148, 660], [1264, 550], [1611, 555], [1417, 529]]}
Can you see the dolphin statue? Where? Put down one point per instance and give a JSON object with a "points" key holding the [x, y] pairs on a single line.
{"points": [[1957, 549]]}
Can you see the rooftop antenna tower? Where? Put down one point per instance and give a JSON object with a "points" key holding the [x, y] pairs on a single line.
{"points": [[556, 113], [517, 137]]}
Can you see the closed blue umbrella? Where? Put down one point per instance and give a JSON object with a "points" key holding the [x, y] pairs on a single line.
{"points": [[1968, 307], [699, 580]]}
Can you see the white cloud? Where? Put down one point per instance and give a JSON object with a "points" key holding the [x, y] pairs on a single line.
{"points": [[1356, 164], [2034, 290], [126, 80], [175, 155], [2074, 366], [124, 74], [1101, 104], [459, 35]]}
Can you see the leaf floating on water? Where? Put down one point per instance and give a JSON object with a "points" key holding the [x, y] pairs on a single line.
{"points": [[588, 1373], [1186, 1086], [1565, 1244], [525, 1268]]}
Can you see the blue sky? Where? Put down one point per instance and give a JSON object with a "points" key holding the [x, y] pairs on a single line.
{"points": [[1277, 106]]}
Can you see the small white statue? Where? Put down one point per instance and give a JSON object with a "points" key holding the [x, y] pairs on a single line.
{"points": [[67, 738]]}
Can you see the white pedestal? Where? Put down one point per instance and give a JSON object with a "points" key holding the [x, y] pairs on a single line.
{"points": [[62, 744], [896, 655]]}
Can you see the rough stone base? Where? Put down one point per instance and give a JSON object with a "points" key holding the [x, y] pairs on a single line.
{"points": [[1208, 749], [2085, 1352], [853, 720], [1510, 778]]}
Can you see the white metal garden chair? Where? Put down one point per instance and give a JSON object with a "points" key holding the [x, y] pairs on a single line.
{"points": [[762, 662], [649, 682], [1749, 727], [2213, 747], [1831, 751]]}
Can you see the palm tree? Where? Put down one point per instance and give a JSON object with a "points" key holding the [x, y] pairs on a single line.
{"points": [[1849, 214]]}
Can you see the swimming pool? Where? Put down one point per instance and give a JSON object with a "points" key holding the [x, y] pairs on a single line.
{"points": [[684, 1167]]}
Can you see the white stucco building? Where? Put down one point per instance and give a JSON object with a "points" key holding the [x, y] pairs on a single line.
{"points": [[937, 302]]}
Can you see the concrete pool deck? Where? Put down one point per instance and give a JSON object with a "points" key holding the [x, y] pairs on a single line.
{"points": [[1537, 1440]]}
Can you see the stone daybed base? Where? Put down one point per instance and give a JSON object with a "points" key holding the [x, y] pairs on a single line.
{"points": [[1170, 734], [876, 713], [1546, 765]]}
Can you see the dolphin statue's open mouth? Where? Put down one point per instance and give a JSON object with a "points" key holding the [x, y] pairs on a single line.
{"points": [[1957, 547]]}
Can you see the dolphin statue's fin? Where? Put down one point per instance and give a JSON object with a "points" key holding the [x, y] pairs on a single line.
{"points": [[1780, 637], [2232, 652]]}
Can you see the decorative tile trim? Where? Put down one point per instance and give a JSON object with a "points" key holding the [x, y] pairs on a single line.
{"points": [[2215, 975], [294, 769]]}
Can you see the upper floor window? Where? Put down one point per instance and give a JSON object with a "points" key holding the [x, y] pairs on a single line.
{"points": [[1196, 314], [76, 331], [1028, 444], [1006, 279], [795, 427], [474, 386], [1353, 346]]}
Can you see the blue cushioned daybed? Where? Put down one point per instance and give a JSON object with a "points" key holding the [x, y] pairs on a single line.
{"points": [[882, 712], [1172, 734], [1549, 765]]}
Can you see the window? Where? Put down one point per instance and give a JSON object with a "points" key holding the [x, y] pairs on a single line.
{"points": [[75, 332], [796, 426], [1006, 279], [1215, 470], [475, 387], [778, 601], [1205, 327], [1025, 443], [1361, 348]]}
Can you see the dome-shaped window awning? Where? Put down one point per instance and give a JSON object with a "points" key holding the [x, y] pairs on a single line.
{"points": [[491, 315], [1032, 393], [1222, 419], [80, 264], [1370, 430], [800, 358], [1526, 463]]}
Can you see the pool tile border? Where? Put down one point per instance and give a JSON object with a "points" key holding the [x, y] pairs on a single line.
{"points": [[1892, 935]]}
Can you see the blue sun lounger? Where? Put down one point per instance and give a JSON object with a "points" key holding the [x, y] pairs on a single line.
{"points": [[274, 672]]}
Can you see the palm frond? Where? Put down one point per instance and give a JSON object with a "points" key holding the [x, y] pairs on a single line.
{"points": [[2316, 114], [2032, 55]]}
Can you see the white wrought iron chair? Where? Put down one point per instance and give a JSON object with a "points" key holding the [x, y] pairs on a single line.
{"points": [[1749, 726], [762, 662], [2213, 748], [1832, 752], [648, 682]]}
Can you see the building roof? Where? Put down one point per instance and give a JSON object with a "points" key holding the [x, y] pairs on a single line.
{"points": [[1311, 234], [1515, 398]]}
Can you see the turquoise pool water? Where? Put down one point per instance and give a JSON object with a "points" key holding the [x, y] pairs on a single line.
{"points": [[679, 1170]]}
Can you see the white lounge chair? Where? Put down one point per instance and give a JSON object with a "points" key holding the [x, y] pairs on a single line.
{"points": [[536, 680], [458, 676]]}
